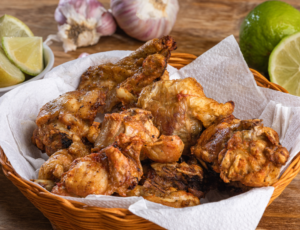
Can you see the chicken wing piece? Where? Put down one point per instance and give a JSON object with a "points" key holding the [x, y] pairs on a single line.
{"points": [[138, 122], [115, 169], [132, 122], [129, 75], [65, 120], [180, 107], [176, 185], [242, 150]]}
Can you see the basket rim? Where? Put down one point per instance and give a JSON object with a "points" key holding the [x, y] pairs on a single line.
{"points": [[177, 60]]}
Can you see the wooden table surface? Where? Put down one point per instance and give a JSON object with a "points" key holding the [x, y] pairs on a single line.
{"points": [[200, 25]]}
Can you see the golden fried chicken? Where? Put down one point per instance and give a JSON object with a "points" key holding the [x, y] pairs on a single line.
{"points": [[180, 107], [166, 149], [115, 169], [138, 123], [60, 162], [176, 185], [124, 80], [93, 132], [171, 197], [66, 119], [242, 150], [132, 122]]}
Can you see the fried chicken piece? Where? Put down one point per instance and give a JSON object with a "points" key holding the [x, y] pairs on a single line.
{"points": [[60, 162], [46, 184], [176, 185], [180, 107], [166, 149], [115, 169], [65, 120], [171, 197], [132, 122], [242, 150], [183, 176], [215, 138], [124, 80], [94, 132], [138, 122]]}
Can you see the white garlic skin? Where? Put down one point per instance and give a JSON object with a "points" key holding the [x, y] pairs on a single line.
{"points": [[145, 19], [82, 23]]}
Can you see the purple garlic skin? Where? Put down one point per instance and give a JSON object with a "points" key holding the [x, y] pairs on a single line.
{"points": [[108, 26]]}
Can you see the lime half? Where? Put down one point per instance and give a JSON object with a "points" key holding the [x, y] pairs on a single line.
{"points": [[13, 27], [284, 64], [25, 52], [9, 73]]}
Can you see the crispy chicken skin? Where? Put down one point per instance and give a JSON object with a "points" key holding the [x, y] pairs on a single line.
{"points": [[124, 80], [242, 150], [131, 122], [60, 162], [176, 185], [115, 169], [93, 132], [166, 149], [170, 197], [180, 107], [138, 123], [65, 120]]}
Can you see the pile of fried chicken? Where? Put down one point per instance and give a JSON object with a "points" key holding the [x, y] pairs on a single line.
{"points": [[160, 139]]}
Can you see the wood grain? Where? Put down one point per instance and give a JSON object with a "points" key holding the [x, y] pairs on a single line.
{"points": [[200, 25]]}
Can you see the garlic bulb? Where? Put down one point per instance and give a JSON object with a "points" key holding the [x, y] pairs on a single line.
{"points": [[82, 23], [145, 19]]}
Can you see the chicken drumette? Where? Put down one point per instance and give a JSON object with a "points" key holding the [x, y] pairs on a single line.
{"points": [[115, 169], [124, 80], [180, 107], [242, 150], [138, 123]]}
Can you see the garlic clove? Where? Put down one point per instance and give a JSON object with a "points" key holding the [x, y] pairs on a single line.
{"points": [[108, 26]]}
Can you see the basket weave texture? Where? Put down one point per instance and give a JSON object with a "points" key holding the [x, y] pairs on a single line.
{"points": [[65, 214]]}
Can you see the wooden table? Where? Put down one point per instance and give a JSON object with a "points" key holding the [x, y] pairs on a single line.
{"points": [[200, 25]]}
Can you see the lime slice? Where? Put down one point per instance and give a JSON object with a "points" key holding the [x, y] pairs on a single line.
{"points": [[25, 52], [9, 73], [284, 64], [13, 27]]}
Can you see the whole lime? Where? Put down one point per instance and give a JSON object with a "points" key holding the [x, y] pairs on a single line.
{"points": [[263, 29]]}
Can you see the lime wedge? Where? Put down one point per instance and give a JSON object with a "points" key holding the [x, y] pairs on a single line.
{"points": [[13, 27], [284, 64], [9, 73], [25, 52]]}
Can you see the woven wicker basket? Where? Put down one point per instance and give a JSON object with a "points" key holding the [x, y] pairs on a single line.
{"points": [[65, 214]]}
